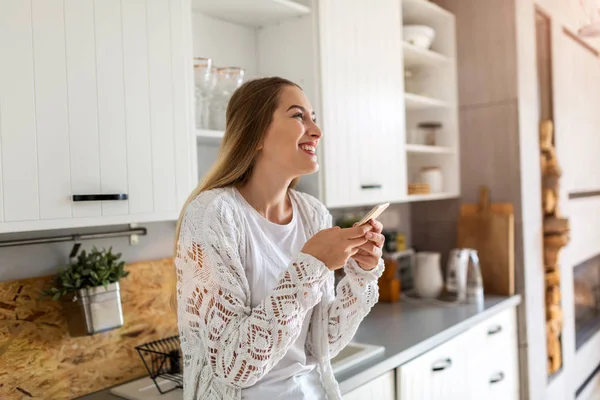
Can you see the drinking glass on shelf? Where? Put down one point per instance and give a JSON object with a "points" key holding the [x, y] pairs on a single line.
{"points": [[227, 81], [203, 82]]}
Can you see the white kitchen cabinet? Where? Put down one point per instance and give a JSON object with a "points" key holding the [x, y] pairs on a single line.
{"points": [[362, 98], [95, 99], [435, 375], [380, 388], [480, 363], [347, 57]]}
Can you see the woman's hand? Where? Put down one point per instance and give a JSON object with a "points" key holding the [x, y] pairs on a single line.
{"points": [[368, 254], [335, 245]]}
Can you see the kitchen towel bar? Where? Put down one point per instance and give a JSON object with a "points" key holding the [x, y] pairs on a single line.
{"points": [[132, 233]]}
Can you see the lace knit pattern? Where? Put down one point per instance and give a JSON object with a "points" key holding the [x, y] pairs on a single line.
{"points": [[226, 344]]}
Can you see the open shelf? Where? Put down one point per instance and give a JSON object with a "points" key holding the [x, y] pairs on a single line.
{"points": [[416, 102], [206, 134], [423, 10], [431, 196], [424, 149], [415, 56], [254, 13]]}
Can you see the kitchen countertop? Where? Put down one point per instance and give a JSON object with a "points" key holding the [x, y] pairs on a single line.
{"points": [[406, 330]]}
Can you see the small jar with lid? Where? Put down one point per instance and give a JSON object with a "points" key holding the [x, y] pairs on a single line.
{"points": [[433, 177], [428, 132]]}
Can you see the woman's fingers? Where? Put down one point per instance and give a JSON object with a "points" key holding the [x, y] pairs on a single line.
{"points": [[376, 238], [366, 262], [357, 231], [377, 226]]}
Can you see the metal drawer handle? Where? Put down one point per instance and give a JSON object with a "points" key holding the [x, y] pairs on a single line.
{"points": [[441, 365], [497, 377], [371, 186], [494, 330], [100, 197]]}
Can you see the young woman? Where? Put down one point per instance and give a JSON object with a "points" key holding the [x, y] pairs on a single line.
{"points": [[258, 314]]}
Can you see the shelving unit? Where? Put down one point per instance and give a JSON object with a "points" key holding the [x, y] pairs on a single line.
{"points": [[432, 96], [431, 196], [415, 56], [416, 102], [424, 149], [254, 13], [209, 134]]}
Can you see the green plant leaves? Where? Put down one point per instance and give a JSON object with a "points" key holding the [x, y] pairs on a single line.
{"points": [[91, 269]]}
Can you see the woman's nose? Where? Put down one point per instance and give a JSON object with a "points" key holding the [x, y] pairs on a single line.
{"points": [[315, 131]]}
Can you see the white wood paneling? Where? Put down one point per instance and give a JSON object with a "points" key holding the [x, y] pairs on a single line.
{"points": [[17, 107], [380, 388], [137, 107], [111, 103], [161, 105], [52, 116], [362, 95], [83, 104], [184, 134], [576, 114]]}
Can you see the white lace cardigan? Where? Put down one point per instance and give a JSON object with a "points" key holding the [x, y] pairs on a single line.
{"points": [[227, 345]]}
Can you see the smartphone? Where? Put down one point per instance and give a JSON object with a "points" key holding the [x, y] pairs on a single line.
{"points": [[374, 213]]}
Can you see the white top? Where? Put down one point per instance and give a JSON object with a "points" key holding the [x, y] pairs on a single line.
{"points": [[228, 343], [270, 248]]}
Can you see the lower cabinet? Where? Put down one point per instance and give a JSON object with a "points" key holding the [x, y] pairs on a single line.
{"points": [[480, 363], [380, 388]]}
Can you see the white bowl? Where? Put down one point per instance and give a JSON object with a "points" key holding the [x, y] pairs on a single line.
{"points": [[418, 35]]}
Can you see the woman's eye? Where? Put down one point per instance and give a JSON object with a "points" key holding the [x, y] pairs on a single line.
{"points": [[299, 115]]}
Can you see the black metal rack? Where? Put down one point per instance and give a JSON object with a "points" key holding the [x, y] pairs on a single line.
{"points": [[162, 359]]}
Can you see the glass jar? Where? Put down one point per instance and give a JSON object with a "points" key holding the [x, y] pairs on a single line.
{"points": [[203, 85], [227, 81], [428, 132]]}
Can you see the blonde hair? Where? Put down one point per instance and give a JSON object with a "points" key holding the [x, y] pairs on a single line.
{"points": [[248, 116]]}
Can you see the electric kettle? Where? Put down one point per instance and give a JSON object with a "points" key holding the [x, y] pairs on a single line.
{"points": [[463, 276]]}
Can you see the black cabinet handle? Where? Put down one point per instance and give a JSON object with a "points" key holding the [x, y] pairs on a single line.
{"points": [[441, 365], [497, 377], [494, 330], [100, 197], [371, 186]]}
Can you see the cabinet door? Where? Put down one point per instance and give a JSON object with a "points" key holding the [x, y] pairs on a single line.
{"points": [[381, 388], [439, 374], [362, 89], [93, 100]]}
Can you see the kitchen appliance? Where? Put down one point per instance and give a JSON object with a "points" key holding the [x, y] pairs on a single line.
{"points": [[463, 276]]}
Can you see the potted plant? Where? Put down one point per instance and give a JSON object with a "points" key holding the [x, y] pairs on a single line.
{"points": [[89, 291]]}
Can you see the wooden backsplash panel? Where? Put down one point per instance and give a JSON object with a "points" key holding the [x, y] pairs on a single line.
{"points": [[38, 358]]}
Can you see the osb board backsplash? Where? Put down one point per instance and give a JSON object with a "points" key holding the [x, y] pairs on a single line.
{"points": [[38, 358]]}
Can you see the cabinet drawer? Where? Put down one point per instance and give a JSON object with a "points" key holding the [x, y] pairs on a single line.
{"points": [[437, 374], [497, 331]]}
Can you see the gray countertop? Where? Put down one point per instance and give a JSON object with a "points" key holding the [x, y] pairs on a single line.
{"points": [[406, 330]]}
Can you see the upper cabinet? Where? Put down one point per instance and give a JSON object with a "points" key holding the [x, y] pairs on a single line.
{"points": [[376, 87], [361, 89], [95, 112], [100, 121]]}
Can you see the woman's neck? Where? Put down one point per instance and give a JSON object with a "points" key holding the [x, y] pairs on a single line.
{"points": [[267, 193]]}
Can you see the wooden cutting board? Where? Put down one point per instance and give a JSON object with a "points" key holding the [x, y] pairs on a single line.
{"points": [[489, 229]]}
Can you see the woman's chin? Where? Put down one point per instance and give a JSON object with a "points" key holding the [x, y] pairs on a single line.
{"points": [[309, 169]]}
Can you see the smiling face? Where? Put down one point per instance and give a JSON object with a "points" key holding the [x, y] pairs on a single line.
{"points": [[291, 140]]}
